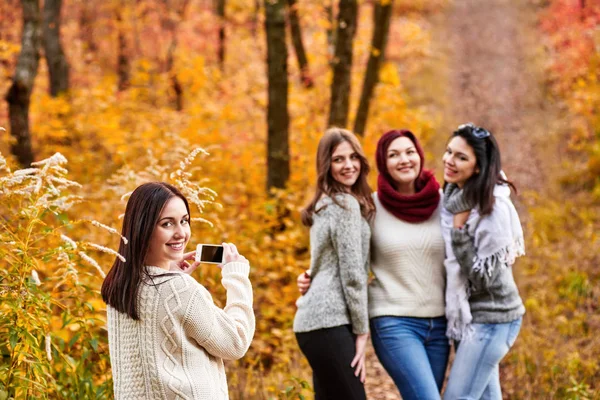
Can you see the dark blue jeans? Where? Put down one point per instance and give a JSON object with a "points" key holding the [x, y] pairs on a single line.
{"points": [[414, 352]]}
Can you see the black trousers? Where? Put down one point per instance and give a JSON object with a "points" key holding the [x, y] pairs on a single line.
{"points": [[329, 352]]}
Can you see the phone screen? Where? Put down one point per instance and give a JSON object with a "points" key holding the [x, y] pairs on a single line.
{"points": [[211, 253]]}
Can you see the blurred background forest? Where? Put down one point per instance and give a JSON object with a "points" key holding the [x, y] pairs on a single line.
{"points": [[227, 99]]}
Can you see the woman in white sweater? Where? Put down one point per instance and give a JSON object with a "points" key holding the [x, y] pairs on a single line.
{"points": [[167, 338], [406, 296]]}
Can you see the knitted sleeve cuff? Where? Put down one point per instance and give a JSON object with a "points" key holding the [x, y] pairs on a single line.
{"points": [[236, 267], [463, 247], [460, 235]]}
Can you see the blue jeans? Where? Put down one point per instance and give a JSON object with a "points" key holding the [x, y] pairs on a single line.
{"points": [[475, 373], [414, 352]]}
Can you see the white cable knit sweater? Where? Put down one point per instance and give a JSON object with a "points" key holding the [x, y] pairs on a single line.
{"points": [[176, 349]]}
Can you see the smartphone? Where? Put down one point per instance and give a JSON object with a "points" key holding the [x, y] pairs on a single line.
{"points": [[209, 253]]}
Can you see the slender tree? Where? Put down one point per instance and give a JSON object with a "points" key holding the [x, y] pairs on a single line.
{"points": [[296, 33], [220, 9], [58, 67], [381, 22], [171, 25], [278, 157], [329, 32], [342, 63], [254, 26], [19, 93], [123, 64], [86, 28]]}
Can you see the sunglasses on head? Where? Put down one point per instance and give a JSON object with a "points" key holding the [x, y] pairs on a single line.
{"points": [[476, 131]]}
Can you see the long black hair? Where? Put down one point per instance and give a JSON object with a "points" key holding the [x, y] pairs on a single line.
{"points": [[479, 188], [121, 285]]}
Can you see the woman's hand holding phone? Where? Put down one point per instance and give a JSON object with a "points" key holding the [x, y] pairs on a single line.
{"points": [[183, 265], [230, 254]]}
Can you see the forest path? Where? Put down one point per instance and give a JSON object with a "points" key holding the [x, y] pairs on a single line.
{"points": [[489, 51], [496, 82]]}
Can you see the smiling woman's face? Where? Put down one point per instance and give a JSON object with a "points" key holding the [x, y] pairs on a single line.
{"points": [[345, 164], [170, 236], [460, 162], [403, 161]]}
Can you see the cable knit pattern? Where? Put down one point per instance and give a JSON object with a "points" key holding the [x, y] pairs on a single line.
{"points": [[408, 266], [339, 242], [176, 349]]}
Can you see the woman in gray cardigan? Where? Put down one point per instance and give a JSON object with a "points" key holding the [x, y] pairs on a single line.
{"points": [[331, 324], [483, 236]]}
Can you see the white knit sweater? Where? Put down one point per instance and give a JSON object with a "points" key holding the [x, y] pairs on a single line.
{"points": [[176, 349], [407, 261]]}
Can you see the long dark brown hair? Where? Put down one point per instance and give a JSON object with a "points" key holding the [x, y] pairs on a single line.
{"points": [[121, 285], [328, 186], [479, 188]]}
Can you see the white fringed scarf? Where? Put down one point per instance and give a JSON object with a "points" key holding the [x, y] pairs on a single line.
{"points": [[498, 237]]}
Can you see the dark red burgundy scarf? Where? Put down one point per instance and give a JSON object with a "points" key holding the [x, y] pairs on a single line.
{"points": [[413, 208]]}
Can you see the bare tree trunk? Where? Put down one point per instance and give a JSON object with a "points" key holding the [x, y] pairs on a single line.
{"points": [[278, 153], [299, 45], [58, 67], [19, 93], [255, 17], [122, 56], [171, 25], [175, 84], [381, 22], [137, 16], [342, 63], [86, 30], [220, 8], [329, 32]]}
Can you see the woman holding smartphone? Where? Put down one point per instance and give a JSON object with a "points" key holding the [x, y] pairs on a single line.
{"points": [[483, 237], [167, 338], [331, 323]]}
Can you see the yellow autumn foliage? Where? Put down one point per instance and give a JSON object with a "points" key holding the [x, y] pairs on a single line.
{"points": [[54, 331]]}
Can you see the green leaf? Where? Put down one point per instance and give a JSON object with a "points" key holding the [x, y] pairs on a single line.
{"points": [[74, 339], [63, 217], [32, 339], [14, 338]]}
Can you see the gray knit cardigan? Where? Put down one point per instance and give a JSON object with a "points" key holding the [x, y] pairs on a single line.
{"points": [[339, 241]]}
